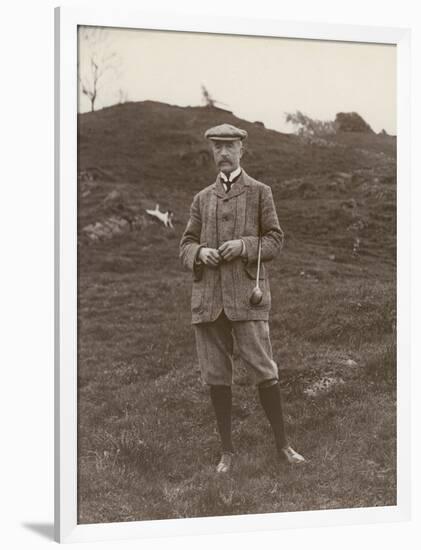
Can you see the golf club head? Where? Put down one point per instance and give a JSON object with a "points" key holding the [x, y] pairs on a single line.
{"points": [[256, 296]]}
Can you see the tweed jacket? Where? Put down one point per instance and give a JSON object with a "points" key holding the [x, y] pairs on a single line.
{"points": [[216, 217]]}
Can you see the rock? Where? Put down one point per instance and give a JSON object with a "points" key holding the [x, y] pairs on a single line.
{"points": [[332, 257], [341, 176], [340, 180], [107, 229], [85, 175], [108, 225], [116, 230], [112, 197], [123, 223], [100, 232], [344, 175], [350, 203], [350, 363]]}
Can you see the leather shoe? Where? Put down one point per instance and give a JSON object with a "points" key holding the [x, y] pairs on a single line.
{"points": [[225, 464], [292, 457]]}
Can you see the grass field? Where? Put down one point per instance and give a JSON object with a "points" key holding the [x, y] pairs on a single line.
{"points": [[147, 444]]}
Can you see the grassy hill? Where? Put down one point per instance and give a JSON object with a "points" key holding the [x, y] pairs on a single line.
{"points": [[146, 441]]}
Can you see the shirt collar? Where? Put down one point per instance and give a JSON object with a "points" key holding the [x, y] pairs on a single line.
{"points": [[232, 176]]}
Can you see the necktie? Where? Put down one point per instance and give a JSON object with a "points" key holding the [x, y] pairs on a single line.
{"points": [[228, 183]]}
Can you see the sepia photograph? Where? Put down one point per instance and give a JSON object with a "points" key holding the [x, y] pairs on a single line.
{"points": [[236, 275]]}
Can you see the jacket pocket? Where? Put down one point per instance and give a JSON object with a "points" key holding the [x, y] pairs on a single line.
{"points": [[251, 271]]}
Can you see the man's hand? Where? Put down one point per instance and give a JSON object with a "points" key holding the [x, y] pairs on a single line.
{"points": [[230, 249], [209, 256]]}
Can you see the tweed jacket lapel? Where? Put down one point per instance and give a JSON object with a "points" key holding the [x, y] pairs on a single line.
{"points": [[211, 221]]}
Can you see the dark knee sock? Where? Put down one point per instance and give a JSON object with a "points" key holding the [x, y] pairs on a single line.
{"points": [[221, 398], [270, 398]]}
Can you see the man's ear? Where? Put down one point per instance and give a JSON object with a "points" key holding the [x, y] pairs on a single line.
{"points": [[242, 148]]}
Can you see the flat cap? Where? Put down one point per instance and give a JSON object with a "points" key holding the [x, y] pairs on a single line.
{"points": [[225, 132]]}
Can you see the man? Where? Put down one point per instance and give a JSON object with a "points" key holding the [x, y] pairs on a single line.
{"points": [[220, 247]]}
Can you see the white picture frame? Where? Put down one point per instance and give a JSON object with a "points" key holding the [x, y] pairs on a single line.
{"points": [[66, 22]]}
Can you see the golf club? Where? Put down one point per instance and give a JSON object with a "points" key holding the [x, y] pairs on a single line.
{"points": [[257, 294]]}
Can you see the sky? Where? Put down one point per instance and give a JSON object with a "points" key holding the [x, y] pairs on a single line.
{"points": [[258, 78]]}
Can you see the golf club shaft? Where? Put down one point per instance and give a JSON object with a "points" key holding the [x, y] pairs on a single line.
{"points": [[259, 253]]}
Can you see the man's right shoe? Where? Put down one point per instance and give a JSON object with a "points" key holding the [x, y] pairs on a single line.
{"points": [[225, 464], [288, 454]]}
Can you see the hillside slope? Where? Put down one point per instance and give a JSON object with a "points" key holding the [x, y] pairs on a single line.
{"points": [[146, 438]]}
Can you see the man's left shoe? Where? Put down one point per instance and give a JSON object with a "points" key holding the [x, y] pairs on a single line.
{"points": [[225, 464], [292, 457]]}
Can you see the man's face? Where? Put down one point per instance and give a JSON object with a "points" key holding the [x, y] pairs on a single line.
{"points": [[227, 155]]}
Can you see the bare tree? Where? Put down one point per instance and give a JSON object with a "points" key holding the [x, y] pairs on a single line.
{"points": [[209, 100], [97, 60]]}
